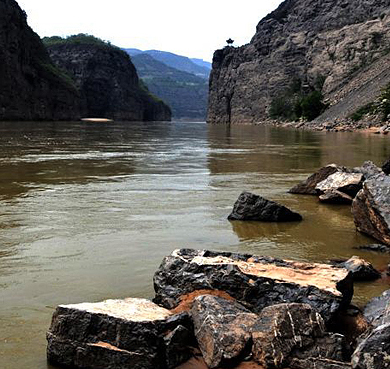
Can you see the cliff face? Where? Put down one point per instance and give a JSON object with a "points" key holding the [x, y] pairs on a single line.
{"points": [[31, 87], [108, 82], [335, 41]]}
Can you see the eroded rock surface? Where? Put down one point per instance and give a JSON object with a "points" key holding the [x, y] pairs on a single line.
{"points": [[293, 331], [371, 208], [308, 186], [252, 207], [335, 197], [223, 328], [348, 183], [377, 311], [116, 334], [254, 281]]}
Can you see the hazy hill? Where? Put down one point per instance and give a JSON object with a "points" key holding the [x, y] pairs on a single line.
{"points": [[184, 92], [176, 61]]}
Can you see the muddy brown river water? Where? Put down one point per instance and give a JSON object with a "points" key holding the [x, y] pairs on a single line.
{"points": [[88, 211]]}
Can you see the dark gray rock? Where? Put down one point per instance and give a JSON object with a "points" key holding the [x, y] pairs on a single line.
{"points": [[308, 186], [386, 167], [368, 169], [125, 334], [377, 311], [348, 183], [375, 248], [373, 352], [360, 269], [254, 281], [288, 331], [222, 328], [256, 208], [177, 345], [371, 208], [335, 197]]}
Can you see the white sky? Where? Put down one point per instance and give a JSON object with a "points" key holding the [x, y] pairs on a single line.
{"points": [[193, 29]]}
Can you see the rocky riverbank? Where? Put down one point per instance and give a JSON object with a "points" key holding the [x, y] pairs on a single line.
{"points": [[218, 309]]}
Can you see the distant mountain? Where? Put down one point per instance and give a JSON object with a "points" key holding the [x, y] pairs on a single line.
{"points": [[179, 62], [202, 63], [184, 92]]}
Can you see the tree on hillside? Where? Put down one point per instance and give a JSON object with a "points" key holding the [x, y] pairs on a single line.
{"points": [[230, 42]]}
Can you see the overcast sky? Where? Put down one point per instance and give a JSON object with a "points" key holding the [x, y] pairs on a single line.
{"points": [[193, 29]]}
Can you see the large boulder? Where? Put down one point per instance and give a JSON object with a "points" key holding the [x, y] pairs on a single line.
{"points": [[288, 332], [308, 186], [368, 169], [377, 311], [118, 334], [254, 281], [348, 183], [373, 352], [223, 328], [371, 208], [252, 207], [386, 167]]}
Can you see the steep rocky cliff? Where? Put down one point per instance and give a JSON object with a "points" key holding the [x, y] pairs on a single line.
{"points": [[31, 87], [106, 79], [342, 43]]}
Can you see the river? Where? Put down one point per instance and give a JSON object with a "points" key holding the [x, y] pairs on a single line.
{"points": [[88, 211]]}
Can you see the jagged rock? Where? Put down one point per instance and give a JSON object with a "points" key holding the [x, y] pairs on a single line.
{"points": [[308, 186], [117, 334], [222, 328], [374, 247], [349, 183], [252, 207], [386, 167], [335, 197], [373, 352], [377, 311], [360, 269], [319, 363], [368, 169], [388, 270], [254, 281], [371, 208], [288, 331]]}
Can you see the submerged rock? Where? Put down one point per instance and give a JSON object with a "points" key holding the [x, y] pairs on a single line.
{"points": [[252, 207], [348, 183], [222, 328], [371, 208], [374, 247], [254, 281], [308, 186], [117, 334], [294, 331]]}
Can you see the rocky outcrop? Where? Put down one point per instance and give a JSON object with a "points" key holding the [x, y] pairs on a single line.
{"points": [[308, 186], [118, 334], [371, 209], [348, 183], [321, 44], [256, 208], [223, 329], [255, 282], [333, 196], [107, 80], [386, 167], [294, 333], [31, 87]]}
